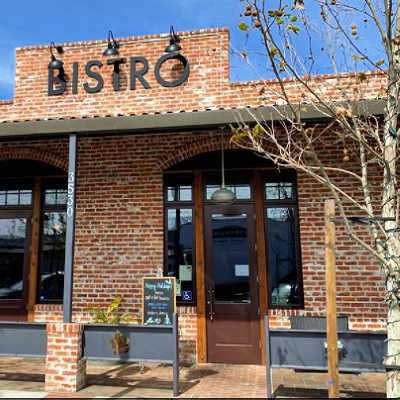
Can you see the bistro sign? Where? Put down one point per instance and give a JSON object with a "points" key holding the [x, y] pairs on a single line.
{"points": [[139, 67]]}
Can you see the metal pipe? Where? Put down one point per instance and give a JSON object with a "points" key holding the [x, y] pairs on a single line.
{"points": [[176, 355], [268, 356]]}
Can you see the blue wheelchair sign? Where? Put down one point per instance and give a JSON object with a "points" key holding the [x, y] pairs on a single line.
{"points": [[186, 295]]}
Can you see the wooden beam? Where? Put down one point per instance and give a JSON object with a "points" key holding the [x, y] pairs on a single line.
{"points": [[34, 256], [261, 258], [331, 320], [200, 269]]}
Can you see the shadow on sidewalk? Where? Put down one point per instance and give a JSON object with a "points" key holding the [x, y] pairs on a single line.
{"points": [[282, 391]]}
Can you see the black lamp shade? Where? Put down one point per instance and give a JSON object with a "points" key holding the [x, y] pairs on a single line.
{"points": [[173, 48], [55, 64], [110, 51]]}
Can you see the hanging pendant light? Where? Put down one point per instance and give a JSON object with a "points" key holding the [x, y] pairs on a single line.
{"points": [[223, 194]]}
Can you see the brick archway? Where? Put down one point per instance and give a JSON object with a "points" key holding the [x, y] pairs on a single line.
{"points": [[193, 148], [36, 155]]}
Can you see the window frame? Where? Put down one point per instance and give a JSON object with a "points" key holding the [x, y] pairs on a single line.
{"points": [[180, 179], [47, 184], [289, 176]]}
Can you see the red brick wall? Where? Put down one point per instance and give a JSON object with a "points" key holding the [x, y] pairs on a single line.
{"points": [[65, 369], [208, 85], [119, 232]]}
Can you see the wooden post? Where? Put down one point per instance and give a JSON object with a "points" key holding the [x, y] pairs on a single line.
{"points": [[200, 273], [33, 268], [331, 320]]}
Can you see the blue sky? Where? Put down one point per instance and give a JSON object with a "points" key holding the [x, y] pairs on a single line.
{"points": [[28, 22]]}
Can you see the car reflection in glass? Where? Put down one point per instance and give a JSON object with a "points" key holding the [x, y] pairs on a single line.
{"points": [[51, 287]]}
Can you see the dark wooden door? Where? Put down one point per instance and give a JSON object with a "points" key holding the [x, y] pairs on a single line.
{"points": [[233, 331], [15, 231]]}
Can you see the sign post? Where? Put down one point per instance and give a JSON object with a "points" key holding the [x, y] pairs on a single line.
{"points": [[331, 320]]}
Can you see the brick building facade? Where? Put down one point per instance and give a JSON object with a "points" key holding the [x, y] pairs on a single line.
{"points": [[131, 143]]}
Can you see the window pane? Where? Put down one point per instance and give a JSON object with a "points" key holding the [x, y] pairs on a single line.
{"points": [[50, 197], [180, 251], [242, 192], [230, 258], [15, 197], [53, 249], [179, 193], [25, 197], [12, 252], [282, 265], [171, 194], [12, 198], [278, 190], [185, 193], [55, 196], [61, 196]]}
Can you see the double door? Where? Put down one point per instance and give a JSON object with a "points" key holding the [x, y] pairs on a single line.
{"points": [[233, 330]]}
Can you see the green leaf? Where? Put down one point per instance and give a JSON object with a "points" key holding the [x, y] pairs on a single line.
{"points": [[243, 26], [279, 21], [257, 130], [354, 57], [293, 19], [273, 52], [294, 29]]}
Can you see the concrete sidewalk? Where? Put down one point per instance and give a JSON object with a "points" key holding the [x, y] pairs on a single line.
{"points": [[24, 378]]}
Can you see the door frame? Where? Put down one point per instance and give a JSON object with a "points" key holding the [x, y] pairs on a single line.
{"points": [[248, 209], [261, 261]]}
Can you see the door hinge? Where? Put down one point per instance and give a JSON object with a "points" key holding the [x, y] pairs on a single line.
{"points": [[258, 311], [259, 344], [255, 247]]}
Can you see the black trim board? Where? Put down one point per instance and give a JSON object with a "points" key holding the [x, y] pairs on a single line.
{"points": [[173, 121]]}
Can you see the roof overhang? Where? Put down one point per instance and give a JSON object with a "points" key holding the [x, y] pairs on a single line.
{"points": [[181, 121]]}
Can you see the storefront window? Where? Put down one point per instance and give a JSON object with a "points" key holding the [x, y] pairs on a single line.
{"points": [[282, 240], [54, 217], [179, 236], [15, 197], [12, 257], [51, 282]]}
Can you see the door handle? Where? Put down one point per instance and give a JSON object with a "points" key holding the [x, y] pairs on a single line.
{"points": [[210, 303]]}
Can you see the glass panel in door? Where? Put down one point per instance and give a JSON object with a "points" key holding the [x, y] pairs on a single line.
{"points": [[230, 258]]}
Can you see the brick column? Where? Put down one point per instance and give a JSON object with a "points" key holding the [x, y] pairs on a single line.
{"points": [[65, 369]]}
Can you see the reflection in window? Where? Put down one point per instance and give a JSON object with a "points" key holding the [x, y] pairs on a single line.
{"points": [[242, 192], [53, 251], [230, 258], [12, 251], [278, 190], [55, 197], [15, 197], [180, 250], [282, 260], [179, 193]]}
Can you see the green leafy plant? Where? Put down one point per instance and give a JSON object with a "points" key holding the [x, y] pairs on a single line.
{"points": [[111, 315]]}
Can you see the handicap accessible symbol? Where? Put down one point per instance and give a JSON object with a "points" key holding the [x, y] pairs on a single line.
{"points": [[186, 295]]}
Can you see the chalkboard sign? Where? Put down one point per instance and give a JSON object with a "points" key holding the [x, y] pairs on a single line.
{"points": [[158, 303]]}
